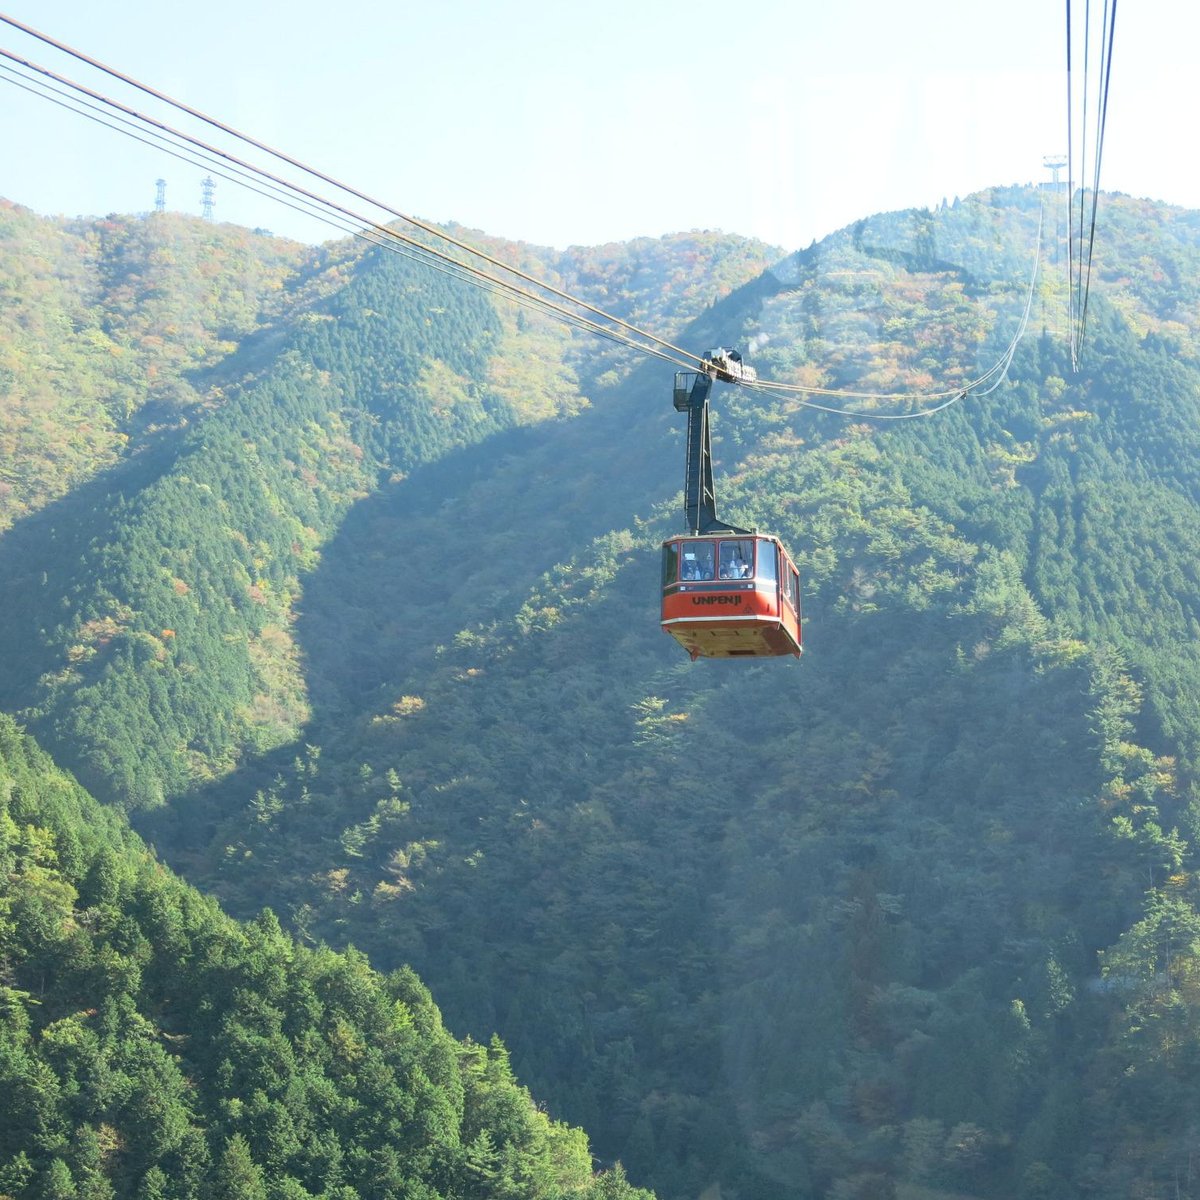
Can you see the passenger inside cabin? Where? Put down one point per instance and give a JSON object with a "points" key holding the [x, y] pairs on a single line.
{"points": [[698, 562], [737, 558]]}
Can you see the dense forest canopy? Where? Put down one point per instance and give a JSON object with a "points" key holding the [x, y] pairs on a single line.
{"points": [[350, 603], [151, 1047]]}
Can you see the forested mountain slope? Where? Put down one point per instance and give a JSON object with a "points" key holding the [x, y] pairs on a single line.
{"points": [[915, 917], [149, 611], [150, 1047], [784, 927], [102, 325]]}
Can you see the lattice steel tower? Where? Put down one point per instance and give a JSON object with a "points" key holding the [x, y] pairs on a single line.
{"points": [[160, 197], [207, 203]]}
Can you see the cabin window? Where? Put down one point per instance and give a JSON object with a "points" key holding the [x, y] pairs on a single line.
{"points": [[791, 586], [698, 560], [670, 563], [737, 558], [768, 556]]}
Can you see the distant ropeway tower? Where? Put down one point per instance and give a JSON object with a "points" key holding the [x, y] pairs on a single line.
{"points": [[207, 203], [160, 196], [1054, 163]]}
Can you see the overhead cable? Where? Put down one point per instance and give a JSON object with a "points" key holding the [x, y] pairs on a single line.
{"points": [[988, 381], [381, 233], [151, 131], [1079, 262], [432, 230]]}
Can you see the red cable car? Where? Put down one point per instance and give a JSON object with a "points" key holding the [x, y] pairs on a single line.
{"points": [[726, 592], [731, 595]]}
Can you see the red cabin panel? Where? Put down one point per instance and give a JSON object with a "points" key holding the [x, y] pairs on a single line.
{"points": [[731, 596]]}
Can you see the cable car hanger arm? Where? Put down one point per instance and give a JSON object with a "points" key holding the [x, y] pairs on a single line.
{"points": [[692, 389]]}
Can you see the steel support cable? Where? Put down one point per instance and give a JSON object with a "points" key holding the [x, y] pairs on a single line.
{"points": [[999, 370], [489, 282], [1077, 278], [424, 252], [1010, 353], [1070, 196], [159, 142], [691, 359], [1079, 263], [863, 416], [1106, 43]]}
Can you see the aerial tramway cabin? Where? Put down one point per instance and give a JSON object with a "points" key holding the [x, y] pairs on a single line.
{"points": [[726, 592], [731, 595]]}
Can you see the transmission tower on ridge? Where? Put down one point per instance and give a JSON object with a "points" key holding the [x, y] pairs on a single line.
{"points": [[207, 203], [160, 197]]}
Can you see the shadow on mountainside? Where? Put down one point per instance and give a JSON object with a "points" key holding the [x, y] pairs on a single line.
{"points": [[41, 554], [457, 544]]}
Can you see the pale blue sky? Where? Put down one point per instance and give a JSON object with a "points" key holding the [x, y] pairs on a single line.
{"points": [[563, 123]]}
